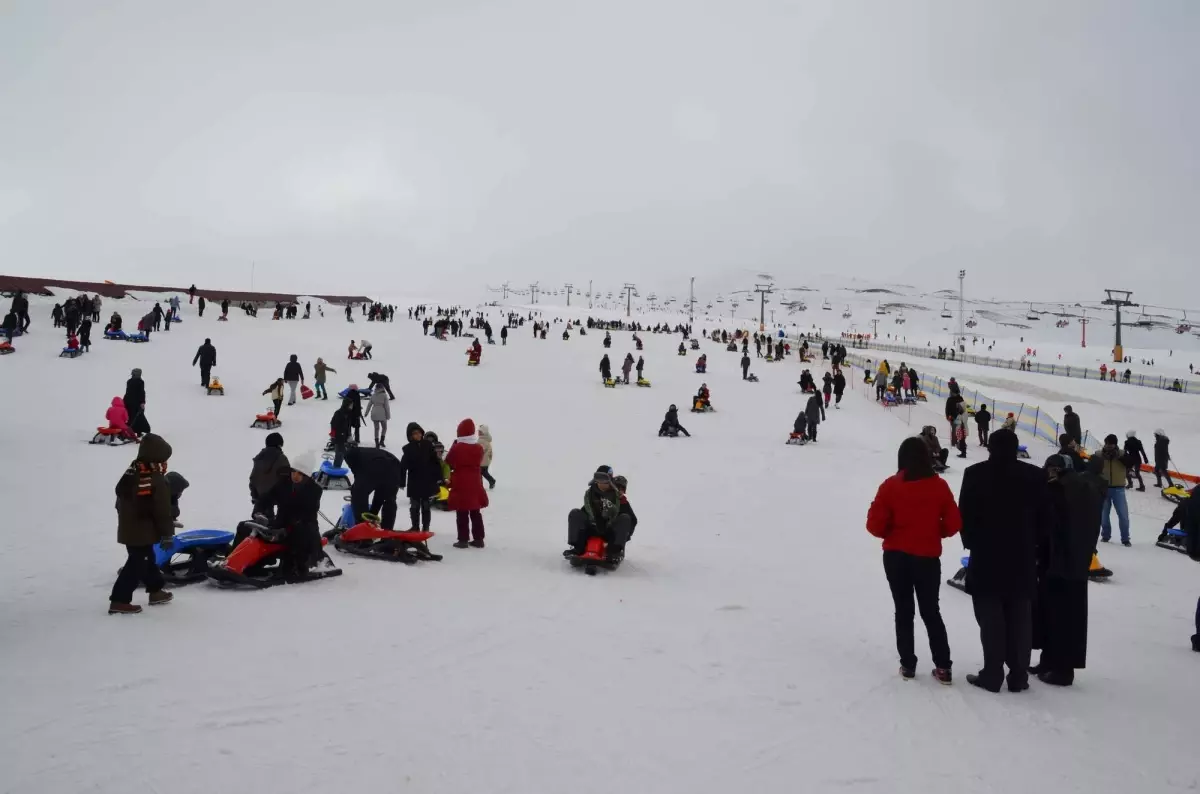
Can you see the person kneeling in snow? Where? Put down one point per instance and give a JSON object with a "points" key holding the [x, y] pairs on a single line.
{"points": [[294, 500], [600, 516]]}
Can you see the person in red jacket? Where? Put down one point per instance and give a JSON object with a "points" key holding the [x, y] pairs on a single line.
{"points": [[467, 494], [913, 511]]}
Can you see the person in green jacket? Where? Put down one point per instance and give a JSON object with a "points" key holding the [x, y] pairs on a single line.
{"points": [[319, 370], [1111, 465], [144, 518], [600, 516]]}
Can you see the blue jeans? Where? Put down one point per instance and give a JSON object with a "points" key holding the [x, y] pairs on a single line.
{"points": [[1115, 496]]}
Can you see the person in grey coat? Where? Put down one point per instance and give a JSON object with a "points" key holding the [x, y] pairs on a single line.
{"points": [[379, 408], [814, 411]]}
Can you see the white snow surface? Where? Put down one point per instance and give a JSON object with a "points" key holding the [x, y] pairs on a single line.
{"points": [[745, 645]]}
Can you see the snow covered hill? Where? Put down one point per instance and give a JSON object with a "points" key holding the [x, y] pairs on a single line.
{"points": [[746, 645]]}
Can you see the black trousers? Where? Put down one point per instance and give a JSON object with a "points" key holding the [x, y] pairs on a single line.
{"points": [[579, 529], [139, 568], [487, 475], [204, 375], [908, 574], [419, 513], [983, 435], [278, 406], [1134, 473], [1006, 633]]}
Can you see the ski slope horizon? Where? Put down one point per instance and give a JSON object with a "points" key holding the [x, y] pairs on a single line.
{"points": [[746, 644]]}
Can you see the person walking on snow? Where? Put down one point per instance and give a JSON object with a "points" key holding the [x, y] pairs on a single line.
{"points": [[467, 495], [1162, 458], [839, 388], [827, 388], [1136, 453], [913, 512], [320, 370], [627, 367], [275, 390], [144, 520], [1071, 426], [421, 471], [814, 412], [380, 409], [200, 307], [206, 355], [485, 441], [293, 376]]}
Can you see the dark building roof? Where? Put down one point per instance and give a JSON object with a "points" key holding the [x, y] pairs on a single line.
{"points": [[109, 290]]}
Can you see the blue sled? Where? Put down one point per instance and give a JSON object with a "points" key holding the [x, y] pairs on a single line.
{"points": [[118, 335], [959, 580], [332, 479], [1023, 451], [140, 336], [190, 554], [361, 392]]}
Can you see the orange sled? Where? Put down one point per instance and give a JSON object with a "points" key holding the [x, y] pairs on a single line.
{"points": [[368, 539], [256, 562], [595, 556]]}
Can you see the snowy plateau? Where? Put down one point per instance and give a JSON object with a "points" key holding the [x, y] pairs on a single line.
{"points": [[745, 645]]}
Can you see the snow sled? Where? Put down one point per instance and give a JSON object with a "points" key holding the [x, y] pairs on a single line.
{"points": [[681, 353], [1096, 571], [140, 336], [255, 563], [120, 336], [1023, 452], [959, 580], [1173, 539], [224, 319], [610, 383], [752, 378], [215, 387], [332, 479], [368, 539], [670, 432], [472, 362], [701, 370], [769, 358], [921, 397], [305, 392], [594, 557], [731, 347], [796, 440], [358, 357], [71, 352], [112, 436], [442, 500], [890, 401], [643, 382], [344, 393], [191, 553], [1175, 493], [330, 446], [266, 421], [702, 408], [6, 348]]}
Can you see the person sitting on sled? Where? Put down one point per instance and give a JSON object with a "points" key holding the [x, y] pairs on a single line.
{"points": [[682, 349], [671, 422], [702, 397], [72, 342], [939, 455], [295, 500], [114, 322], [626, 509], [475, 352], [118, 417], [702, 363], [800, 426], [601, 517]]}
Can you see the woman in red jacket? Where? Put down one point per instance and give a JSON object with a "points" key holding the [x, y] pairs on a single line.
{"points": [[913, 511], [467, 495]]}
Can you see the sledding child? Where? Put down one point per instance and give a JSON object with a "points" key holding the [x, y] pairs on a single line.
{"points": [[800, 426], [702, 364], [118, 417], [626, 509], [682, 349], [275, 390], [467, 495], [702, 397], [72, 342], [421, 472], [114, 322], [600, 516], [670, 425], [143, 521], [379, 407], [352, 349], [474, 353]]}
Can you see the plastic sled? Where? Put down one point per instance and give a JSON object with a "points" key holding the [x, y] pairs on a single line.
{"points": [[255, 563], [71, 352], [769, 358], [796, 440], [305, 392], [610, 383], [332, 479], [752, 378], [890, 401], [472, 362], [1175, 493], [695, 344], [643, 382], [1173, 539], [442, 500], [6, 348], [1096, 571], [681, 353], [215, 387], [702, 408], [266, 421], [118, 335], [344, 393], [1023, 452], [701, 370], [959, 580], [368, 539], [112, 436], [140, 336], [921, 397], [594, 557], [191, 553]]}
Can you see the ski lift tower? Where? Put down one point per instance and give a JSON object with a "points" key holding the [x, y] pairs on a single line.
{"points": [[533, 291], [1083, 321], [962, 334], [692, 303], [1118, 298], [763, 291], [589, 294], [569, 287], [630, 289]]}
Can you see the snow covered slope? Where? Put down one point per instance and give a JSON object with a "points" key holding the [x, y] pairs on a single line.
{"points": [[746, 644]]}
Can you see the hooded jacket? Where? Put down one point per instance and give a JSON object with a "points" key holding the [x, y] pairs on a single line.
{"points": [[485, 441], [420, 467], [269, 465], [379, 406], [116, 414], [144, 496], [206, 355], [319, 370], [1162, 451], [292, 371], [466, 481], [601, 507]]}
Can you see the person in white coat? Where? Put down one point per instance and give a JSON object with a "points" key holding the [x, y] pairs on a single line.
{"points": [[379, 408], [485, 441]]}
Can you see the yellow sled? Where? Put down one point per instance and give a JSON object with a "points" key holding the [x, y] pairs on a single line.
{"points": [[1096, 571], [643, 382], [610, 383], [215, 387], [442, 500], [1175, 493]]}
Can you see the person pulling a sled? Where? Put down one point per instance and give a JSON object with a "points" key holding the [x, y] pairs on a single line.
{"points": [[605, 368], [144, 519], [600, 516], [670, 425]]}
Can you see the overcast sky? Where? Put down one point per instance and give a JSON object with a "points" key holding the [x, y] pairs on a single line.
{"points": [[1047, 146]]}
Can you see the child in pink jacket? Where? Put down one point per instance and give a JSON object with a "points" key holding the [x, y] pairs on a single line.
{"points": [[118, 417]]}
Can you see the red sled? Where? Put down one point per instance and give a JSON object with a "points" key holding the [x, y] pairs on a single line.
{"points": [[595, 555], [256, 562], [368, 539], [305, 392]]}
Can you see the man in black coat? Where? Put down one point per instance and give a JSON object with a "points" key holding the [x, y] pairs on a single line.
{"points": [[670, 424], [379, 379], [839, 387], [378, 472], [814, 411], [1004, 509], [206, 355], [983, 422], [1162, 458], [135, 403], [293, 376], [1071, 426], [1064, 557], [421, 471], [1136, 453], [745, 366], [295, 501]]}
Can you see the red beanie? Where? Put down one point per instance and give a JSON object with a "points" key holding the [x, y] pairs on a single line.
{"points": [[466, 428]]}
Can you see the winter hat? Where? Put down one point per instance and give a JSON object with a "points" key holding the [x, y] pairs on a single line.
{"points": [[274, 440], [1111, 438], [466, 428], [603, 474], [137, 373], [305, 463], [1160, 432]]}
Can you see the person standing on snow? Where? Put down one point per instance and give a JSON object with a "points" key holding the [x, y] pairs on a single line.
{"points": [[144, 519], [485, 441], [641, 364], [605, 368], [380, 409], [503, 335], [421, 470], [1110, 464], [200, 307], [913, 512], [983, 421], [814, 412], [320, 370], [1005, 510], [1162, 458], [293, 376], [467, 495], [1136, 453], [1071, 426], [627, 366], [839, 388], [135, 403], [206, 355], [827, 388]]}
